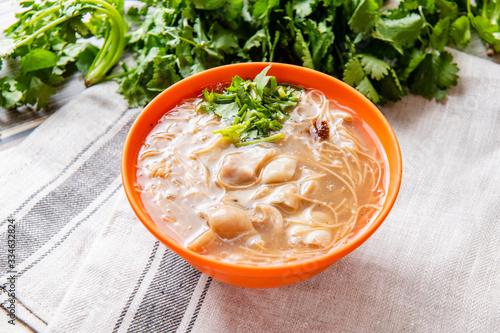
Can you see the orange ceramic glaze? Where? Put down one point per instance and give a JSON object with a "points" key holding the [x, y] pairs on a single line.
{"points": [[272, 275]]}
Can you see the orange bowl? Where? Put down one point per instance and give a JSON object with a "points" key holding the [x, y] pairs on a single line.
{"points": [[274, 275]]}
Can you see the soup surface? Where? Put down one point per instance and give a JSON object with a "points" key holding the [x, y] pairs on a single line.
{"points": [[265, 203]]}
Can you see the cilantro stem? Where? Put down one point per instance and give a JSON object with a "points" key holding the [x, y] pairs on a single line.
{"points": [[428, 27], [119, 75], [275, 137], [44, 13], [114, 41], [293, 86], [40, 31], [184, 39]]}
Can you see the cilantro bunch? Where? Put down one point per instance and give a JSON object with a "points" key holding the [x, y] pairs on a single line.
{"points": [[385, 54], [255, 108], [48, 44]]}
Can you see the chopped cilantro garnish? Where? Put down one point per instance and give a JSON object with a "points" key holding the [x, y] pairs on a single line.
{"points": [[256, 109]]}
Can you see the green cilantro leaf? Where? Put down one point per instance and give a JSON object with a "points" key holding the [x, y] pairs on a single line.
{"points": [[229, 110], [434, 76], [7, 46], [261, 81], [355, 76], [256, 40], [488, 31], [389, 87], [414, 59], [303, 8], [440, 34], [399, 32], [429, 5], [301, 47], [10, 95], [374, 67], [37, 92], [320, 39], [447, 8], [460, 31], [364, 15], [367, 89], [353, 73], [37, 59]]}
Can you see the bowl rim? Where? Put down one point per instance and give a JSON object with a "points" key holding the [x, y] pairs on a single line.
{"points": [[128, 173]]}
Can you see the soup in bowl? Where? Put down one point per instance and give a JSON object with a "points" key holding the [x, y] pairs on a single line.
{"points": [[261, 175]]}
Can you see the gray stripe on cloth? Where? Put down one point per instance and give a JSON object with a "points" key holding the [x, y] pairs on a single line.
{"points": [[66, 235], [198, 306], [63, 171], [136, 288], [66, 201], [167, 297], [19, 301]]}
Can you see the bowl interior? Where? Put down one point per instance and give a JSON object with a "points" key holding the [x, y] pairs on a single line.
{"points": [[193, 86]]}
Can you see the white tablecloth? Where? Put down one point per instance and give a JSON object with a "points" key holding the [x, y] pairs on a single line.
{"points": [[85, 263]]}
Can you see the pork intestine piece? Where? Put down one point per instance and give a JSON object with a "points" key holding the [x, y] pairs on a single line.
{"points": [[201, 243], [308, 187], [294, 233], [243, 168], [302, 234], [227, 222], [267, 214], [279, 170], [320, 238], [321, 217], [286, 196]]}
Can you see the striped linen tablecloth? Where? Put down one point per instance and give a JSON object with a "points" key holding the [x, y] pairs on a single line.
{"points": [[84, 263]]}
